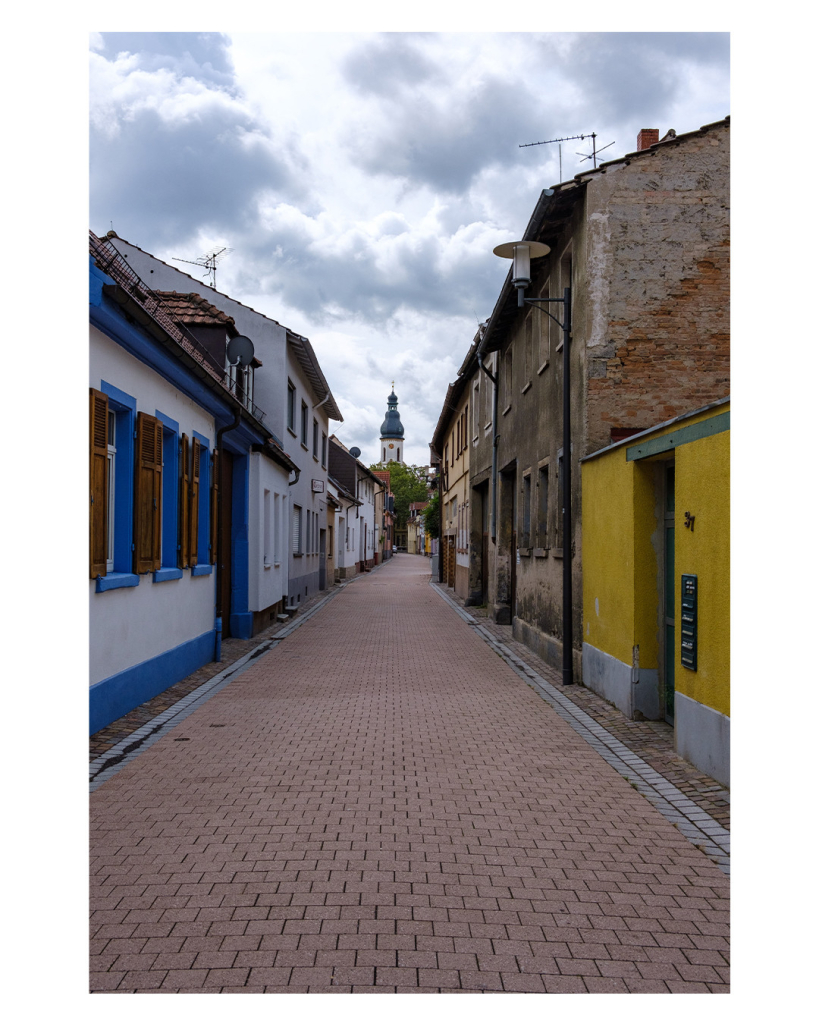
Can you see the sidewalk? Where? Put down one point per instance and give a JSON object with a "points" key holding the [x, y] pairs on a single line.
{"points": [[380, 804]]}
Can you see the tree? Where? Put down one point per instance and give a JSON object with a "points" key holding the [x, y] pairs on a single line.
{"points": [[432, 516], [408, 484]]}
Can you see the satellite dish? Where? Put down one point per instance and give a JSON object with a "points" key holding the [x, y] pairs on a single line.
{"points": [[240, 350], [355, 452]]}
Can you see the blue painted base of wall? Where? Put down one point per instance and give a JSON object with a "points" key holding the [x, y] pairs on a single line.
{"points": [[114, 697], [241, 625]]}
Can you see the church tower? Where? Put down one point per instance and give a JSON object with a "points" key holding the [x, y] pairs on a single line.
{"points": [[392, 432]]}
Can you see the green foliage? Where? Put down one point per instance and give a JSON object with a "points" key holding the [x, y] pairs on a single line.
{"points": [[408, 484], [432, 517]]}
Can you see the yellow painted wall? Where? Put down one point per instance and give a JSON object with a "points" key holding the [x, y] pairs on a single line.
{"points": [[620, 561], [702, 476], [608, 556]]}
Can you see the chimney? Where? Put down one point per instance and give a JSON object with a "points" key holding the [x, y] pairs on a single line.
{"points": [[647, 137]]}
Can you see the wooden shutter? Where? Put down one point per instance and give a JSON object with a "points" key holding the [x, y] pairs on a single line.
{"points": [[184, 478], [193, 504], [214, 505], [148, 494], [98, 481]]}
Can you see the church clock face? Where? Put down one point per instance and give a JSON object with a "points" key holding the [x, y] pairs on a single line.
{"points": [[392, 446]]}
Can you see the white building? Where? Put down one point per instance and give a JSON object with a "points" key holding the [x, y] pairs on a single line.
{"points": [[159, 413], [290, 388]]}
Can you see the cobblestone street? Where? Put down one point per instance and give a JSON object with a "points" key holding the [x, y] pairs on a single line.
{"points": [[394, 797]]}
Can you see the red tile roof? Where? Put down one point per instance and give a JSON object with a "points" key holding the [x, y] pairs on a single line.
{"points": [[191, 308]]}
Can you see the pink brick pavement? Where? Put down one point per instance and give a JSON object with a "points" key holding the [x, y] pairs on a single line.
{"points": [[380, 804]]}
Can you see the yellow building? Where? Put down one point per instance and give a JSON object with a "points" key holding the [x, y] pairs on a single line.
{"points": [[656, 586]]}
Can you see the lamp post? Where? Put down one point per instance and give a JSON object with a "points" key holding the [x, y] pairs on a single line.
{"points": [[521, 254]]}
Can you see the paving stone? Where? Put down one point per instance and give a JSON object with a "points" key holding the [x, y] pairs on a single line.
{"points": [[423, 819]]}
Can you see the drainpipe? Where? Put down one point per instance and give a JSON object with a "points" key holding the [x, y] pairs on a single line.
{"points": [[218, 624]]}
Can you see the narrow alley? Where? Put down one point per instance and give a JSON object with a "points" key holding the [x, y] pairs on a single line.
{"points": [[382, 803]]}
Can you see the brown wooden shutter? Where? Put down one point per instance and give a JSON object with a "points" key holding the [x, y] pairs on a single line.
{"points": [[98, 481], [184, 494], [193, 504], [148, 494], [214, 505]]}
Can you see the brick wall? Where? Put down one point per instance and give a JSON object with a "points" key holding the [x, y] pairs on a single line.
{"points": [[666, 349]]}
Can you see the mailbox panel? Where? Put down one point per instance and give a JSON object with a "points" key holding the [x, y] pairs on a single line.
{"points": [[688, 619]]}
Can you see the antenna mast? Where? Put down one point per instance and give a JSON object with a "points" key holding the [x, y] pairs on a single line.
{"points": [[208, 260], [568, 138]]}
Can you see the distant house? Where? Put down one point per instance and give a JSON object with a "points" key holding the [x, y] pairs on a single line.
{"points": [[352, 475], [163, 422], [456, 432]]}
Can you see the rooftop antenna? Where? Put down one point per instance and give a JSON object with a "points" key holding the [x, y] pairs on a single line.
{"points": [[208, 260], [568, 138]]}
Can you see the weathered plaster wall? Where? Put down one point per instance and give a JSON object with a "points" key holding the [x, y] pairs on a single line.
{"points": [[658, 333]]}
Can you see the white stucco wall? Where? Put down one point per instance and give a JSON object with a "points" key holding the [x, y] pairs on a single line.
{"points": [[133, 624], [268, 531]]}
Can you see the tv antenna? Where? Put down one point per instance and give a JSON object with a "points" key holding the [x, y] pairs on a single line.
{"points": [[208, 260], [569, 138]]}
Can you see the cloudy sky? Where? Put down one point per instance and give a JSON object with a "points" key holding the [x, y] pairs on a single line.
{"points": [[362, 180]]}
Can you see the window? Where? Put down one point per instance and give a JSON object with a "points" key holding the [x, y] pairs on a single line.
{"points": [[324, 449], [266, 532], [565, 282], [559, 529], [527, 511], [304, 424], [111, 483], [196, 514], [528, 356], [291, 406], [169, 543], [543, 506], [544, 329], [315, 439], [296, 531], [476, 409], [507, 380], [111, 479], [278, 528]]}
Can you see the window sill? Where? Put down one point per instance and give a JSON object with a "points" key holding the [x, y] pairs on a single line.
{"points": [[167, 573], [116, 580], [543, 366], [201, 570], [541, 552], [290, 430], [506, 410], [525, 387], [557, 552], [524, 552]]}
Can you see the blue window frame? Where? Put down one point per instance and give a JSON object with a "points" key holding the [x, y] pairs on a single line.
{"points": [[170, 500], [124, 408], [203, 566]]}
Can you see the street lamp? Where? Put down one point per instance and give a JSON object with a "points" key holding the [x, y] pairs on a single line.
{"points": [[521, 254]]}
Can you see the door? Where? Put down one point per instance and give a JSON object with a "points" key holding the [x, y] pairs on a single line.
{"points": [[669, 596]]}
